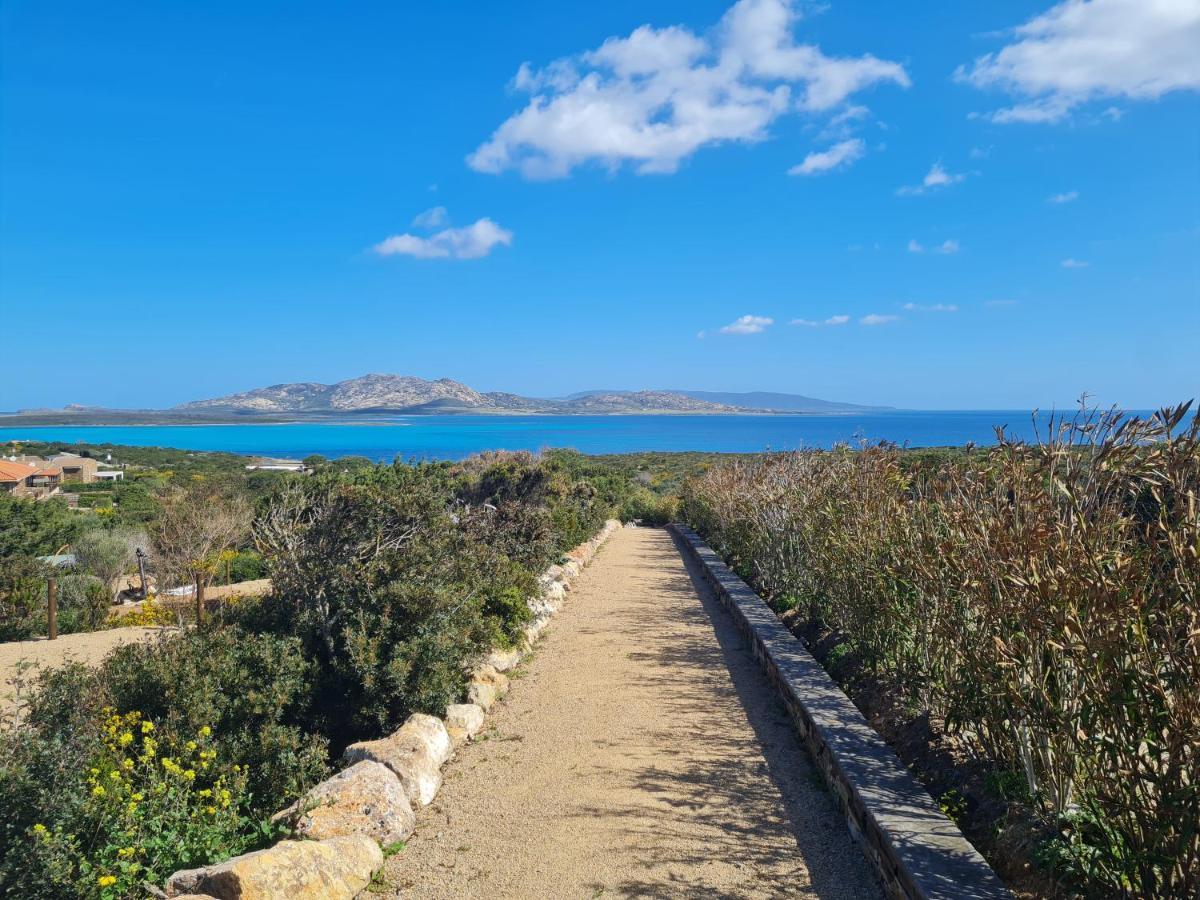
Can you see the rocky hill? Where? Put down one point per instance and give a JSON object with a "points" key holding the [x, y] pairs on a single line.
{"points": [[406, 393]]}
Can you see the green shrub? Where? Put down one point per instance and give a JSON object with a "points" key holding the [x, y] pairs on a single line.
{"points": [[22, 598], [253, 690], [137, 804], [649, 508]]}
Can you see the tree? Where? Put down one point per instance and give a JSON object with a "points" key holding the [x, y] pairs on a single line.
{"points": [[197, 524], [108, 555]]}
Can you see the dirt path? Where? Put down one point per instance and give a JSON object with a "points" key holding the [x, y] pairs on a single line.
{"points": [[88, 648], [642, 754]]}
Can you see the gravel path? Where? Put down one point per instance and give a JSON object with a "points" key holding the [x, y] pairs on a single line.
{"points": [[88, 648], [642, 754]]}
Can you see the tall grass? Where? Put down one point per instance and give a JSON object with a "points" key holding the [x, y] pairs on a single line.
{"points": [[1040, 599]]}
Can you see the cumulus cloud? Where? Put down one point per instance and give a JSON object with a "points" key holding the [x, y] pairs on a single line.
{"points": [[655, 97], [815, 323], [469, 242], [945, 247], [1065, 197], [431, 218], [937, 177], [877, 319], [932, 307], [1078, 51], [839, 156], [1074, 264], [747, 325]]}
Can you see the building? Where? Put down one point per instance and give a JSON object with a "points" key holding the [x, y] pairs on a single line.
{"points": [[76, 468], [266, 464], [22, 479], [109, 475]]}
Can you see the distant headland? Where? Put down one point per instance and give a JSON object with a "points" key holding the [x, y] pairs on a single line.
{"points": [[390, 395]]}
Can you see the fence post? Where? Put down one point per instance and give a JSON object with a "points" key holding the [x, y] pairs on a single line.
{"points": [[52, 607], [199, 602]]}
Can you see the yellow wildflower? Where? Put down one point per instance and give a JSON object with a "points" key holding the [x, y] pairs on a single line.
{"points": [[98, 791], [190, 774], [106, 880], [125, 739], [125, 852], [147, 727], [205, 731], [39, 828]]}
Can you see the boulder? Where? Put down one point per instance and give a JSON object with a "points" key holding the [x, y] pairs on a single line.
{"points": [[486, 687], [408, 753], [503, 660], [467, 717], [334, 869], [366, 798], [431, 731]]}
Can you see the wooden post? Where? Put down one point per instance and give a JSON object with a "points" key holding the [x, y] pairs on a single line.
{"points": [[52, 607], [199, 602]]}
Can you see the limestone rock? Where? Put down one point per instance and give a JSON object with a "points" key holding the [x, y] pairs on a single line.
{"points": [[503, 660], [366, 798], [486, 687], [409, 754], [334, 869], [429, 730], [482, 694], [466, 717]]}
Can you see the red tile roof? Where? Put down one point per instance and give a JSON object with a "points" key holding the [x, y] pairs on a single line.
{"points": [[11, 471]]}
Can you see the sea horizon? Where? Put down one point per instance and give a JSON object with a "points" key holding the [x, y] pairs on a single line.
{"points": [[451, 437]]}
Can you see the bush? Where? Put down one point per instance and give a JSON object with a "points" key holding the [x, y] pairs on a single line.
{"points": [[254, 690], [387, 588], [136, 805], [83, 602], [1039, 599], [649, 508], [22, 598]]}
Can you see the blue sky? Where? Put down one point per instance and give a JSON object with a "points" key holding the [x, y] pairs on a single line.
{"points": [[959, 205]]}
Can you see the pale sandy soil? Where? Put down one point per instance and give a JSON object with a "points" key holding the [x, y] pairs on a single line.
{"points": [[88, 648], [642, 754]]}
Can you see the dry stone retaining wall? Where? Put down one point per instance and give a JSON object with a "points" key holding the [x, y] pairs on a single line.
{"points": [[370, 804], [916, 850]]}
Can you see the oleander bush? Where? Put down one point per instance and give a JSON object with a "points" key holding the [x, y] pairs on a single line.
{"points": [[1039, 599]]}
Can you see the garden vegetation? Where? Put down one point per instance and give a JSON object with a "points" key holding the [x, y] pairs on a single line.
{"points": [[1037, 600], [387, 582]]}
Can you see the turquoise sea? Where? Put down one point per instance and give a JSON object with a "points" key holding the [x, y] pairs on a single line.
{"points": [[454, 437]]}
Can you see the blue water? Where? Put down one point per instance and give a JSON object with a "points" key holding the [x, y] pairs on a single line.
{"points": [[454, 437]]}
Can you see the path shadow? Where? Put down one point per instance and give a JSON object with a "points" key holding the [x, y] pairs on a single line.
{"points": [[761, 798]]}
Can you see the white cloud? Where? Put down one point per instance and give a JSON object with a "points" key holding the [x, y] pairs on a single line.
{"points": [[1078, 51], [877, 319], [431, 218], [748, 325], [1065, 197], [1074, 264], [937, 177], [813, 323], [934, 307], [997, 303], [945, 247], [839, 156], [980, 152], [657, 96], [470, 242]]}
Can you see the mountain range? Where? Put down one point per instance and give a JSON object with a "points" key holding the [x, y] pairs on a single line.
{"points": [[378, 394]]}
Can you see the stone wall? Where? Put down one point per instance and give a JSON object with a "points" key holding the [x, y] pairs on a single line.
{"points": [[916, 850], [345, 822]]}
